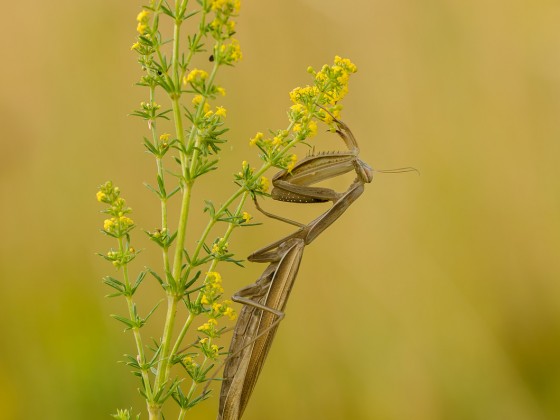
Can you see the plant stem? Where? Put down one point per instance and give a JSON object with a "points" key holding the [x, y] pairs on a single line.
{"points": [[213, 265], [172, 298], [160, 171], [135, 330]]}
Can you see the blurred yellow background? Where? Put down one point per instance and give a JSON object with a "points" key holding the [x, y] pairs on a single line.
{"points": [[434, 297]]}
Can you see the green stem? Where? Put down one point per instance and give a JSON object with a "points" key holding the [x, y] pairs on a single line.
{"points": [[172, 299], [161, 172], [213, 265], [135, 330], [166, 340], [193, 138], [182, 414]]}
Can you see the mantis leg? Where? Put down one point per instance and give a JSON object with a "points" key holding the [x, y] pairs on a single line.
{"points": [[264, 302]]}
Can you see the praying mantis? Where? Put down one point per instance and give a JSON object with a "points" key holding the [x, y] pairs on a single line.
{"points": [[265, 300]]}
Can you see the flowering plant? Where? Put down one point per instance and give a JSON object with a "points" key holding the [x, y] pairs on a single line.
{"points": [[188, 275]]}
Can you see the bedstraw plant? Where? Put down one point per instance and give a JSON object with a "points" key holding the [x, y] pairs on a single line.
{"points": [[184, 97]]}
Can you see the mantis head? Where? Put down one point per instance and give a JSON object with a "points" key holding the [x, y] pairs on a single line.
{"points": [[364, 171]]}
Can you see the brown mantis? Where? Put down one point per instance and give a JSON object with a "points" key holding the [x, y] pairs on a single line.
{"points": [[266, 299]]}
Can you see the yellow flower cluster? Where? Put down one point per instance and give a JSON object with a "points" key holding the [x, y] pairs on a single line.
{"points": [[307, 128], [264, 184], [333, 80], [223, 309], [230, 7], [212, 351], [196, 76], [230, 53], [190, 364], [221, 111], [150, 106], [291, 163], [259, 136], [100, 196], [143, 19], [331, 85], [213, 287], [223, 27], [220, 247], [118, 225], [307, 94], [209, 328], [246, 216]]}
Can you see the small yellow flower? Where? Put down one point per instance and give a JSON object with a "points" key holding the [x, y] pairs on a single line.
{"points": [[297, 128], [297, 108], [326, 117], [226, 6], [208, 326], [345, 63], [277, 140], [215, 24], [265, 183], [292, 163], [221, 91], [100, 196], [321, 76], [214, 277], [195, 75], [197, 99], [294, 95], [312, 126], [230, 313], [141, 28], [255, 140], [204, 300], [246, 216], [221, 111], [231, 52], [108, 223], [164, 137], [143, 16], [135, 46], [126, 221], [208, 114], [343, 78]]}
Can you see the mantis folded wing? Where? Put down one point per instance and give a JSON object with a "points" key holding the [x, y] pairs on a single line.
{"points": [[265, 300]]}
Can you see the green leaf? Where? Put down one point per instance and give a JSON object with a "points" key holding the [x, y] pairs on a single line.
{"points": [[114, 283], [191, 282], [175, 191], [139, 279], [152, 189], [152, 311], [150, 147], [129, 324], [156, 276], [209, 207]]}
